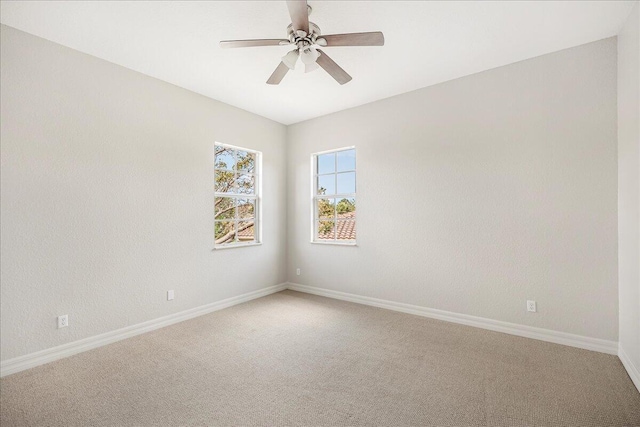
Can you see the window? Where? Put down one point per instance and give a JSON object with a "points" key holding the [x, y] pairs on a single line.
{"points": [[334, 196], [237, 196]]}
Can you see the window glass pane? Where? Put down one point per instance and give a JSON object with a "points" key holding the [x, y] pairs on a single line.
{"points": [[346, 208], [246, 161], [246, 184], [346, 160], [246, 208], [225, 182], [225, 232], [225, 158], [246, 231], [225, 208], [326, 230], [326, 163], [346, 230], [325, 208], [346, 183], [326, 184]]}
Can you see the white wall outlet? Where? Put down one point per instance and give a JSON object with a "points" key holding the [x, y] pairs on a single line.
{"points": [[169, 295], [63, 321], [531, 306], [297, 271]]}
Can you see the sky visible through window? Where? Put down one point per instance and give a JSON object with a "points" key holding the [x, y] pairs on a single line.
{"points": [[336, 164]]}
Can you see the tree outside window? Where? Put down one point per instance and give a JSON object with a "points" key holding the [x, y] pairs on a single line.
{"points": [[334, 199], [237, 200]]}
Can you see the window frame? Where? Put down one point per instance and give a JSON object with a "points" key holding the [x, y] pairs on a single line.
{"points": [[315, 197], [256, 197]]}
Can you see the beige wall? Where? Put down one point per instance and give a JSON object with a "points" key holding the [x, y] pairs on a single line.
{"points": [[629, 188], [477, 194], [107, 197]]}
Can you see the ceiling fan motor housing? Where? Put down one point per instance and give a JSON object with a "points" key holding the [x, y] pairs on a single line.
{"points": [[301, 39]]}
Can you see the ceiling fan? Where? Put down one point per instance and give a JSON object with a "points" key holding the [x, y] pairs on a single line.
{"points": [[306, 38]]}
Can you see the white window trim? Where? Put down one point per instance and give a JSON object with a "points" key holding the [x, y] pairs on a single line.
{"points": [[257, 197], [334, 243], [314, 197]]}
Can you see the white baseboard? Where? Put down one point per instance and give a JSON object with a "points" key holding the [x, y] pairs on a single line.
{"points": [[579, 341], [31, 360], [632, 370]]}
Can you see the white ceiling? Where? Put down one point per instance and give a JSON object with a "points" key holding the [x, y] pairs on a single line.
{"points": [[426, 43]]}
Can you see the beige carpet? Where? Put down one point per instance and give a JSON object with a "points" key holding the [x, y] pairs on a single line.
{"points": [[296, 359]]}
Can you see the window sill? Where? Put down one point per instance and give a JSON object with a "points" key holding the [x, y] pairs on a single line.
{"points": [[237, 245], [335, 243]]}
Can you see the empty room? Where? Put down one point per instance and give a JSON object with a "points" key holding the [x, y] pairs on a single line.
{"points": [[320, 213]]}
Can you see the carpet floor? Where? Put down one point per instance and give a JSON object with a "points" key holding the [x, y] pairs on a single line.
{"points": [[297, 359]]}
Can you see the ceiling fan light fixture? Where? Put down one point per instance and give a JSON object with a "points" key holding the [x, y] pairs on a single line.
{"points": [[309, 56], [312, 66], [290, 59]]}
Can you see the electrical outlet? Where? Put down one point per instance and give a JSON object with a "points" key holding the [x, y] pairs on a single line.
{"points": [[297, 271], [63, 321], [531, 306], [169, 295]]}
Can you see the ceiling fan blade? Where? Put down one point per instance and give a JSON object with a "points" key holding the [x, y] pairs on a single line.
{"points": [[279, 73], [299, 13], [375, 38], [253, 43], [332, 68]]}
